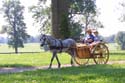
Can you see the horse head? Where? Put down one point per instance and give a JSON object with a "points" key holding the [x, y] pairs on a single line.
{"points": [[43, 40]]}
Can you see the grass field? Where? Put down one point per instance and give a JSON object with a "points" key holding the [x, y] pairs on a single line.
{"points": [[29, 47], [114, 73], [30, 59], [43, 58], [88, 74], [35, 47]]}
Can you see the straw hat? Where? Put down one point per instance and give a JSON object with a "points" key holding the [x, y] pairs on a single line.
{"points": [[89, 30]]}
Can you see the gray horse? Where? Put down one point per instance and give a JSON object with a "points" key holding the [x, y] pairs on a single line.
{"points": [[58, 46]]}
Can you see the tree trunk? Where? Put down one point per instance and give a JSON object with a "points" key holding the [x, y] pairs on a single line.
{"points": [[59, 8], [16, 50], [15, 39], [15, 35]]}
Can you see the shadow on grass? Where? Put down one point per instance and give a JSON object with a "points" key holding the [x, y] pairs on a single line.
{"points": [[89, 74], [86, 74], [15, 65]]}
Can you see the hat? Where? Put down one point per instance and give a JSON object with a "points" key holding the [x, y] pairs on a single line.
{"points": [[88, 30]]}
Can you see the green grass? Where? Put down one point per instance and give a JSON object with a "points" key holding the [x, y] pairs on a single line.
{"points": [[87, 74], [30, 59], [29, 47], [117, 55], [113, 46], [43, 58], [35, 47]]}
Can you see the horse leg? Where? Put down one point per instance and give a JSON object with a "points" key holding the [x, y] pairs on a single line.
{"points": [[58, 61], [54, 54], [72, 57], [72, 63]]}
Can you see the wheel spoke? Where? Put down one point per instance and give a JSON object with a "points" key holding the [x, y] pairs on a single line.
{"points": [[80, 61], [100, 54]]}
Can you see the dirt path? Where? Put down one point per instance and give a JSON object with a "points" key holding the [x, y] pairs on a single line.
{"points": [[118, 62], [22, 69]]}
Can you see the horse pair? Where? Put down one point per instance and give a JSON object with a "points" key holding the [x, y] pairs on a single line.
{"points": [[58, 46]]}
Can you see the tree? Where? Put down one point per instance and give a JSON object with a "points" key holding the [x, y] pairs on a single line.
{"points": [[120, 39], [63, 12], [122, 4], [42, 15], [15, 27], [87, 11], [54, 16], [60, 21]]}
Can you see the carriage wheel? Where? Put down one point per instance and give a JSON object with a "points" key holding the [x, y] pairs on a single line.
{"points": [[100, 54], [80, 61]]}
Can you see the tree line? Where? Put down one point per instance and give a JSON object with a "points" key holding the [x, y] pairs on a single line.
{"points": [[31, 39]]}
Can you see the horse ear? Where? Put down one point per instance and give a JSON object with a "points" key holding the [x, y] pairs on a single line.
{"points": [[42, 34]]}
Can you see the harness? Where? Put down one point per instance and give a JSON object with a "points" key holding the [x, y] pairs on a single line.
{"points": [[57, 47], [54, 44]]}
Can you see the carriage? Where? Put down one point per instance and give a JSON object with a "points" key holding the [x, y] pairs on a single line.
{"points": [[79, 52], [98, 52]]}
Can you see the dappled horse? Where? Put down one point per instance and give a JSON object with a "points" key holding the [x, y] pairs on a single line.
{"points": [[58, 46]]}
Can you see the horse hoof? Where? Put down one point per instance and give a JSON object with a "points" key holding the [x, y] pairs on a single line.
{"points": [[73, 65], [59, 66], [49, 67]]}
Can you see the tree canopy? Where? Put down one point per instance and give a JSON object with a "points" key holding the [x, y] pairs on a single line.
{"points": [[42, 15], [61, 15]]}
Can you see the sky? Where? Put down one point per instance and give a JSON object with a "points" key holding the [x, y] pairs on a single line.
{"points": [[110, 12], [31, 28]]}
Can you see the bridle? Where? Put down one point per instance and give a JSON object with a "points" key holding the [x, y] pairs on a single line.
{"points": [[44, 40]]}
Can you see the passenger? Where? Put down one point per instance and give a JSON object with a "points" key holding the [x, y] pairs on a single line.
{"points": [[89, 38], [96, 36]]}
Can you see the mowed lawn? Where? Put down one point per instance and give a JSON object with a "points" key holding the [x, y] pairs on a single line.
{"points": [[87, 74], [30, 59], [28, 47], [43, 58], [113, 73]]}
